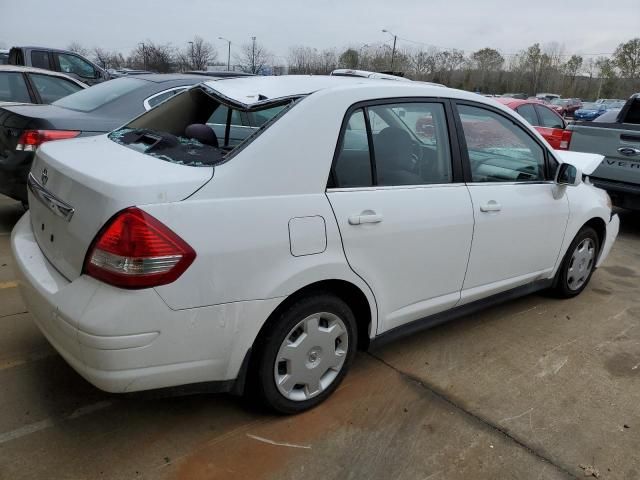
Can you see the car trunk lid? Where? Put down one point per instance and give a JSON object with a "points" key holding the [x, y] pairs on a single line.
{"points": [[76, 186]]}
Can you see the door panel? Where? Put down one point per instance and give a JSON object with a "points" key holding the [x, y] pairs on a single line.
{"points": [[517, 243], [520, 214], [414, 254]]}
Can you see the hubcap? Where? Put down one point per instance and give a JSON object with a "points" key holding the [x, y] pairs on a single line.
{"points": [[311, 356], [581, 264]]}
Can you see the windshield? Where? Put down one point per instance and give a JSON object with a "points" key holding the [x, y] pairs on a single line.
{"points": [[101, 94]]}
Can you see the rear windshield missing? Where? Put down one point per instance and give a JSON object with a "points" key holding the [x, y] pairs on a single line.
{"points": [[195, 128], [101, 94]]}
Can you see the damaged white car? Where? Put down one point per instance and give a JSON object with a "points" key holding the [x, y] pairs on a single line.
{"points": [[186, 248]]}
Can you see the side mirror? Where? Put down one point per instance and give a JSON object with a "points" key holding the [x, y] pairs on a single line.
{"points": [[568, 174]]}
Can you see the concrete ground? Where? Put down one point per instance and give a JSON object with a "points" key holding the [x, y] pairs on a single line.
{"points": [[537, 388]]}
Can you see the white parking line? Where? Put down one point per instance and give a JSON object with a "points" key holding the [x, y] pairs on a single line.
{"points": [[51, 422]]}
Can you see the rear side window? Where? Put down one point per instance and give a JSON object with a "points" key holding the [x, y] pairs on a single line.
{"points": [[499, 150], [353, 164], [528, 113], [13, 88], [40, 59], [410, 146], [51, 88], [633, 114], [548, 118]]}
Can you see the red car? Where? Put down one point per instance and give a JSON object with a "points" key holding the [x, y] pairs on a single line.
{"points": [[566, 106], [550, 125]]}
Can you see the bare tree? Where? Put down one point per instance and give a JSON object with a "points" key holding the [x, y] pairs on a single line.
{"points": [[108, 59], [76, 47], [197, 55], [254, 57], [154, 57]]}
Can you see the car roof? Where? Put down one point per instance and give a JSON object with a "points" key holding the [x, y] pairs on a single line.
{"points": [[516, 102], [49, 49], [52, 73], [249, 91]]}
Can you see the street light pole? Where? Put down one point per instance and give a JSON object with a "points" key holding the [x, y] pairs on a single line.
{"points": [[253, 55], [393, 52], [228, 53], [192, 62], [144, 57]]}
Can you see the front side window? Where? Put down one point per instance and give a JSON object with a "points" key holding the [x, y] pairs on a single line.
{"points": [[51, 88], [548, 118], [13, 88], [76, 65], [40, 59], [499, 150]]}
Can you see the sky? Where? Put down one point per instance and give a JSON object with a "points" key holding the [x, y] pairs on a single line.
{"points": [[579, 26]]}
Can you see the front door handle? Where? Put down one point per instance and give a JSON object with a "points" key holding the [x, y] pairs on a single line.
{"points": [[491, 206], [365, 217], [629, 151]]}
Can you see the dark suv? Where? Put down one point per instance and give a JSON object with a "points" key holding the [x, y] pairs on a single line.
{"points": [[63, 61]]}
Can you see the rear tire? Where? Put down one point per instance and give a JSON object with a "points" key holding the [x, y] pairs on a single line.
{"points": [[306, 354], [578, 264]]}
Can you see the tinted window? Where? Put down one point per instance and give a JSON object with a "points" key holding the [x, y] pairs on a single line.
{"points": [[101, 94], [40, 59], [499, 150], [52, 88], [159, 98], [528, 113], [13, 88], [257, 119], [548, 118], [353, 165], [411, 144], [73, 64], [219, 116]]}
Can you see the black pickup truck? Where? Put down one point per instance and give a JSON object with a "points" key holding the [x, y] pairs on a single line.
{"points": [[619, 141], [57, 60]]}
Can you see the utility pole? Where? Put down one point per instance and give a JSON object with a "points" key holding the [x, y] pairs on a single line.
{"points": [[228, 53], [253, 55], [393, 52], [192, 62]]}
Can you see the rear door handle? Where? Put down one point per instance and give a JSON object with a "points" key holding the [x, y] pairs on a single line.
{"points": [[491, 206], [629, 151], [365, 217]]}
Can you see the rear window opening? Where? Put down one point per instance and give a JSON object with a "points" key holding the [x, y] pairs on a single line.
{"points": [[196, 128]]}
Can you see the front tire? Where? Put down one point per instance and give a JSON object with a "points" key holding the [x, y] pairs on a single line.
{"points": [[578, 264], [306, 353]]}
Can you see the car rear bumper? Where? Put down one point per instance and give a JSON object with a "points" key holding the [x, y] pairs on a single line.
{"points": [[130, 340], [612, 233]]}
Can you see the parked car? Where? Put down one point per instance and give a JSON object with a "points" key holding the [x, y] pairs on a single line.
{"points": [[565, 107], [93, 111], [616, 135], [153, 257], [590, 111], [64, 61], [4, 57], [609, 100], [519, 96], [350, 72], [34, 85], [546, 121], [547, 96]]}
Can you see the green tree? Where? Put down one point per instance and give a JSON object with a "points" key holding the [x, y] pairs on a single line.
{"points": [[627, 58], [349, 58]]}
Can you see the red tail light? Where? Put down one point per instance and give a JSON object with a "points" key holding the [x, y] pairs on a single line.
{"points": [[565, 140], [31, 139], [135, 250]]}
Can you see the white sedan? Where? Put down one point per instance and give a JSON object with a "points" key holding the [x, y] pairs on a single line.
{"points": [[166, 253]]}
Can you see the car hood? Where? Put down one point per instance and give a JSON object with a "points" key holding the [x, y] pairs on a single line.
{"points": [[586, 162]]}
